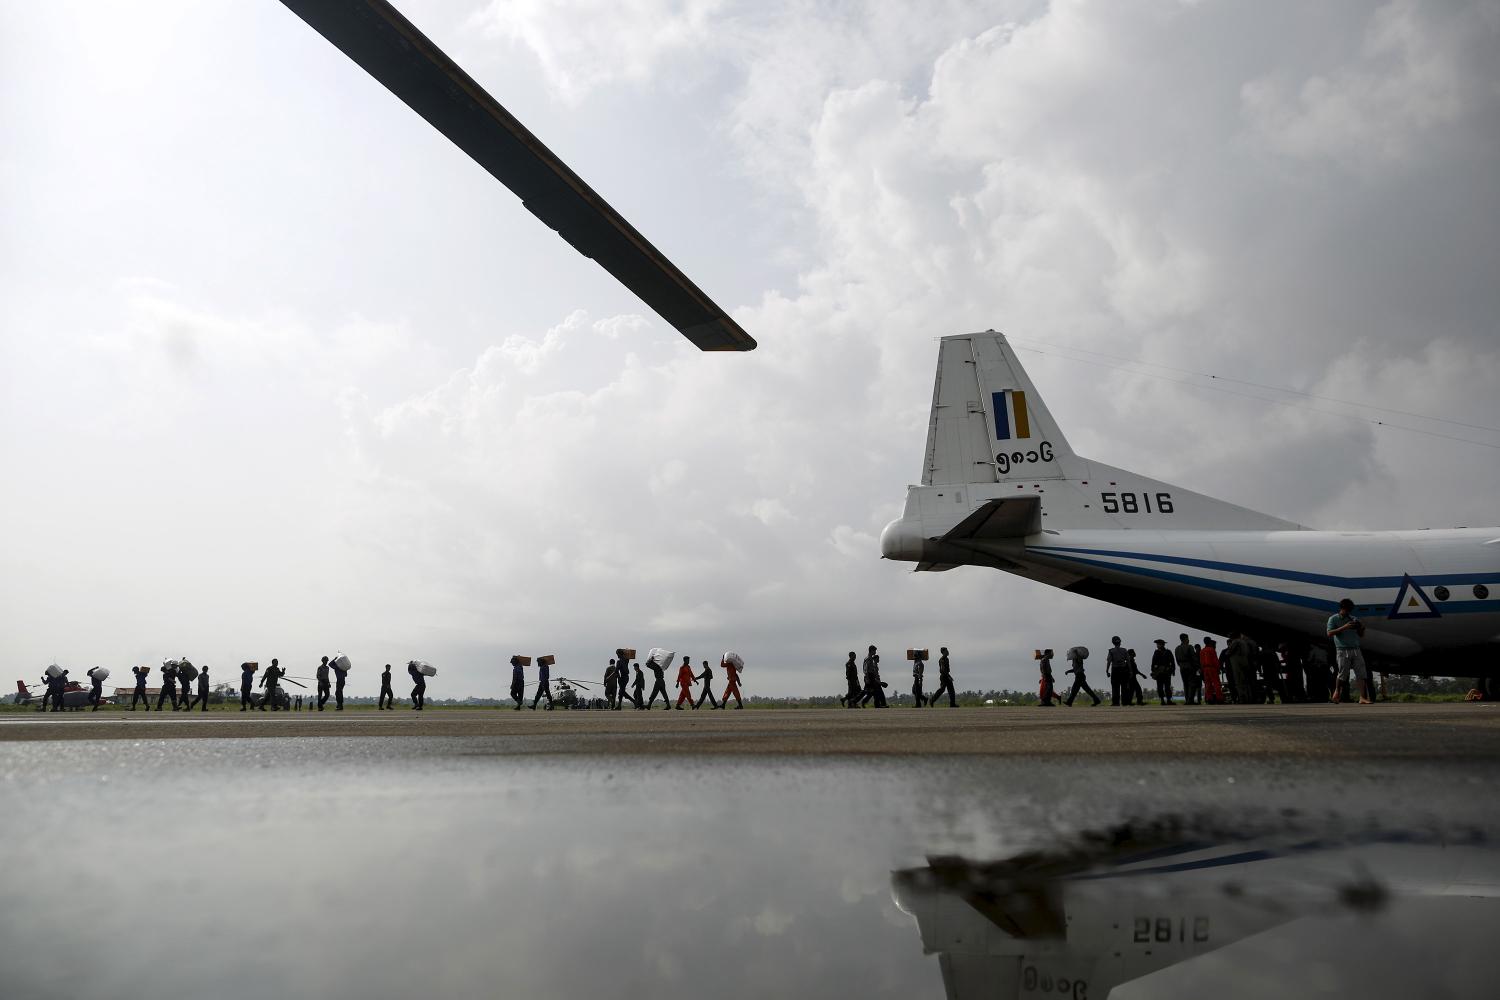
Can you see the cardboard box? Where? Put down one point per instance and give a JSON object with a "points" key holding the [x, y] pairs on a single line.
{"points": [[911, 654], [250, 665], [628, 654], [525, 661], [546, 661]]}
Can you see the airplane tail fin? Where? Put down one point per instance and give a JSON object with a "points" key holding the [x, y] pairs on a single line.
{"points": [[988, 422], [992, 442]]}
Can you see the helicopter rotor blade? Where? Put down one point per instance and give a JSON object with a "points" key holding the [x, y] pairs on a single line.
{"points": [[391, 49]]}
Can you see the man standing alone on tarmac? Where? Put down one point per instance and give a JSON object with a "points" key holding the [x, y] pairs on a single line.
{"points": [[140, 687], [1344, 629], [945, 681], [707, 677], [1187, 666], [387, 697], [1117, 669], [323, 687]]}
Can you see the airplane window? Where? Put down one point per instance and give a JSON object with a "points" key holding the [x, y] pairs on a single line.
{"points": [[1481, 591], [1441, 593]]}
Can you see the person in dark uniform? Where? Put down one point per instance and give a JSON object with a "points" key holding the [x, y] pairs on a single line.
{"points": [[324, 688], [202, 699], [517, 682], [387, 697], [45, 683], [638, 687], [1047, 687], [419, 686], [874, 686], [168, 685], [543, 687], [659, 685], [945, 680], [1162, 668], [58, 687], [339, 676], [917, 669], [850, 699], [610, 686], [1186, 658], [247, 684], [140, 687], [707, 677], [96, 689], [1080, 681], [187, 690], [1117, 669], [268, 681], [622, 681], [1135, 676], [1291, 672], [1270, 671]]}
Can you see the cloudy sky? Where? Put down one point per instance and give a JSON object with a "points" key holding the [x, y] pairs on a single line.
{"points": [[283, 372]]}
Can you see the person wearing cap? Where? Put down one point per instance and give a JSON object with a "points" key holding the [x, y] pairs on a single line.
{"points": [[247, 684], [96, 690], [945, 681], [1162, 667], [1208, 666], [168, 685], [543, 685], [339, 676], [324, 688], [1187, 665], [731, 674], [387, 696], [707, 677], [140, 688], [1117, 669], [850, 699], [517, 683], [685, 683], [874, 688], [1345, 630]]}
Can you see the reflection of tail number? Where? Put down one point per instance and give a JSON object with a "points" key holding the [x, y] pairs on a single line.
{"points": [[1033, 981], [1009, 460]]}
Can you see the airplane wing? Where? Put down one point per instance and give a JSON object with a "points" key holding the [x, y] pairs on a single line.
{"points": [[377, 37]]}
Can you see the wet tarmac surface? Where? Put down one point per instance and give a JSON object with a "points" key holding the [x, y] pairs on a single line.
{"points": [[398, 866], [1408, 731]]}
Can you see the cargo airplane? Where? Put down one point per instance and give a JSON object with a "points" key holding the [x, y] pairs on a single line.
{"points": [[1002, 488]]}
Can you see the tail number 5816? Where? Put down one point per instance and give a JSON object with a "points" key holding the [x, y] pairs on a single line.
{"points": [[1137, 503]]}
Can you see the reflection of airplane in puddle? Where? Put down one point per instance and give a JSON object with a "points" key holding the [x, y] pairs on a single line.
{"points": [[1083, 924]]}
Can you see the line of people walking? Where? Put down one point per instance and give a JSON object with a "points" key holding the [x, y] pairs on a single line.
{"points": [[624, 681], [865, 686]]}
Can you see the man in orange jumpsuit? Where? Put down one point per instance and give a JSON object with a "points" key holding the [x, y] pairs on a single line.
{"points": [[685, 682], [732, 672], [1208, 660]]}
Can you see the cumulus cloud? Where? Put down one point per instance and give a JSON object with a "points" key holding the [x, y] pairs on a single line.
{"points": [[1291, 196]]}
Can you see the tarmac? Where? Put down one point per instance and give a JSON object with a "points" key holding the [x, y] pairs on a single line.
{"points": [[1443, 731]]}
